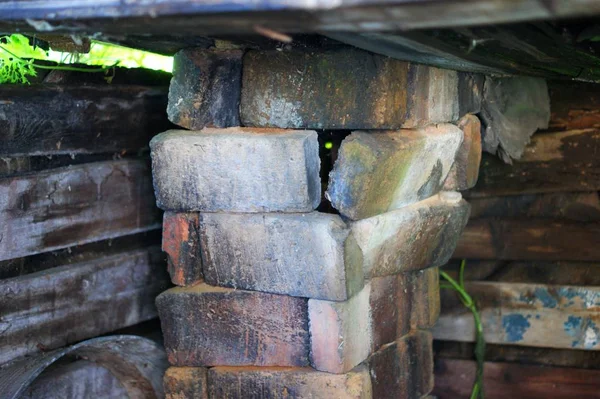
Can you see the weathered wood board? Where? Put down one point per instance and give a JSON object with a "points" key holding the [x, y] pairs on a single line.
{"points": [[548, 357], [552, 162], [574, 105], [454, 379], [80, 379], [537, 272], [583, 206], [62, 207], [512, 239], [539, 315], [81, 253], [66, 304], [54, 119]]}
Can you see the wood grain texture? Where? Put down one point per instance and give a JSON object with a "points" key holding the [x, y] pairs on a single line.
{"points": [[574, 105], [552, 316], [188, 17], [528, 49], [548, 357], [582, 206], [454, 379], [62, 207], [74, 119], [552, 162], [536, 272], [66, 304], [80, 379], [512, 239]]}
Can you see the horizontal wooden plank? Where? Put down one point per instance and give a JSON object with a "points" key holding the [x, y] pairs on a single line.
{"points": [[512, 239], [226, 16], [539, 315], [454, 379], [583, 207], [552, 162], [523, 49], [81, 253], [12, 166], [69, 206], [537, 272], [574, 105], [73, 119], [549, 357], [66, 304]]}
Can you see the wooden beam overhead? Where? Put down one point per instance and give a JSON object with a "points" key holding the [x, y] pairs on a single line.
{"points": [[229, 16]]}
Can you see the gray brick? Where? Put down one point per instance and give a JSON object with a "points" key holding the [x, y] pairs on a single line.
{"points": [[236, 170]]}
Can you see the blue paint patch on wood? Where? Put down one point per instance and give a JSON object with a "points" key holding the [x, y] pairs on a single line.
{"points": [[573, 325], [548, 301], [585, 331], [515, 326]]}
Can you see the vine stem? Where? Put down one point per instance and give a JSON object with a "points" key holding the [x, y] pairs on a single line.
{"points": [[467, 300], [55, 67]]}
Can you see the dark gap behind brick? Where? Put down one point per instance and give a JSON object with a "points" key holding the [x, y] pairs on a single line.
{"points": [[328, 158]]}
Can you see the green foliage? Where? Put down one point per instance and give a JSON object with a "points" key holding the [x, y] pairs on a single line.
{"points": [[17, 59], [467, 300], [13, 68]]}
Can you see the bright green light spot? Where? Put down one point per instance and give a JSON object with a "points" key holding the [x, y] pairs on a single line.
{"points": [[329, 145]]}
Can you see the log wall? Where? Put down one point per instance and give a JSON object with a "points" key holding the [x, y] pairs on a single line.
{"points": [[79, 230], [531, 246]]}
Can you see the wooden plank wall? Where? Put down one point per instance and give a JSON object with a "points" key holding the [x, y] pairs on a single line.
{"points": [[533, 264], [79, 230]]}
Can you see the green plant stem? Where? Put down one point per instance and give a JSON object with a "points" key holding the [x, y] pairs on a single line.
{"points": [[467, 300], [55, 67]]}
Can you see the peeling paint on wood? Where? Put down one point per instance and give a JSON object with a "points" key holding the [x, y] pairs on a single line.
{"points": [[526, 314]]}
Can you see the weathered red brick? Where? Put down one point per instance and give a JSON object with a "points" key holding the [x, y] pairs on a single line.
{"points": [[212, 326], [403, 369], [280, 382], [185, 383], [181, 243], [465, 171], [344, 334], [419, 299]]}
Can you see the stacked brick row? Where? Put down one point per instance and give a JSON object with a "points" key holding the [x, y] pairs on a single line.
{"points": [[274, 298]]}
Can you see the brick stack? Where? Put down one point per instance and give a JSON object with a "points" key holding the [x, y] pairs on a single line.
{"points": [[275, 299]]}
